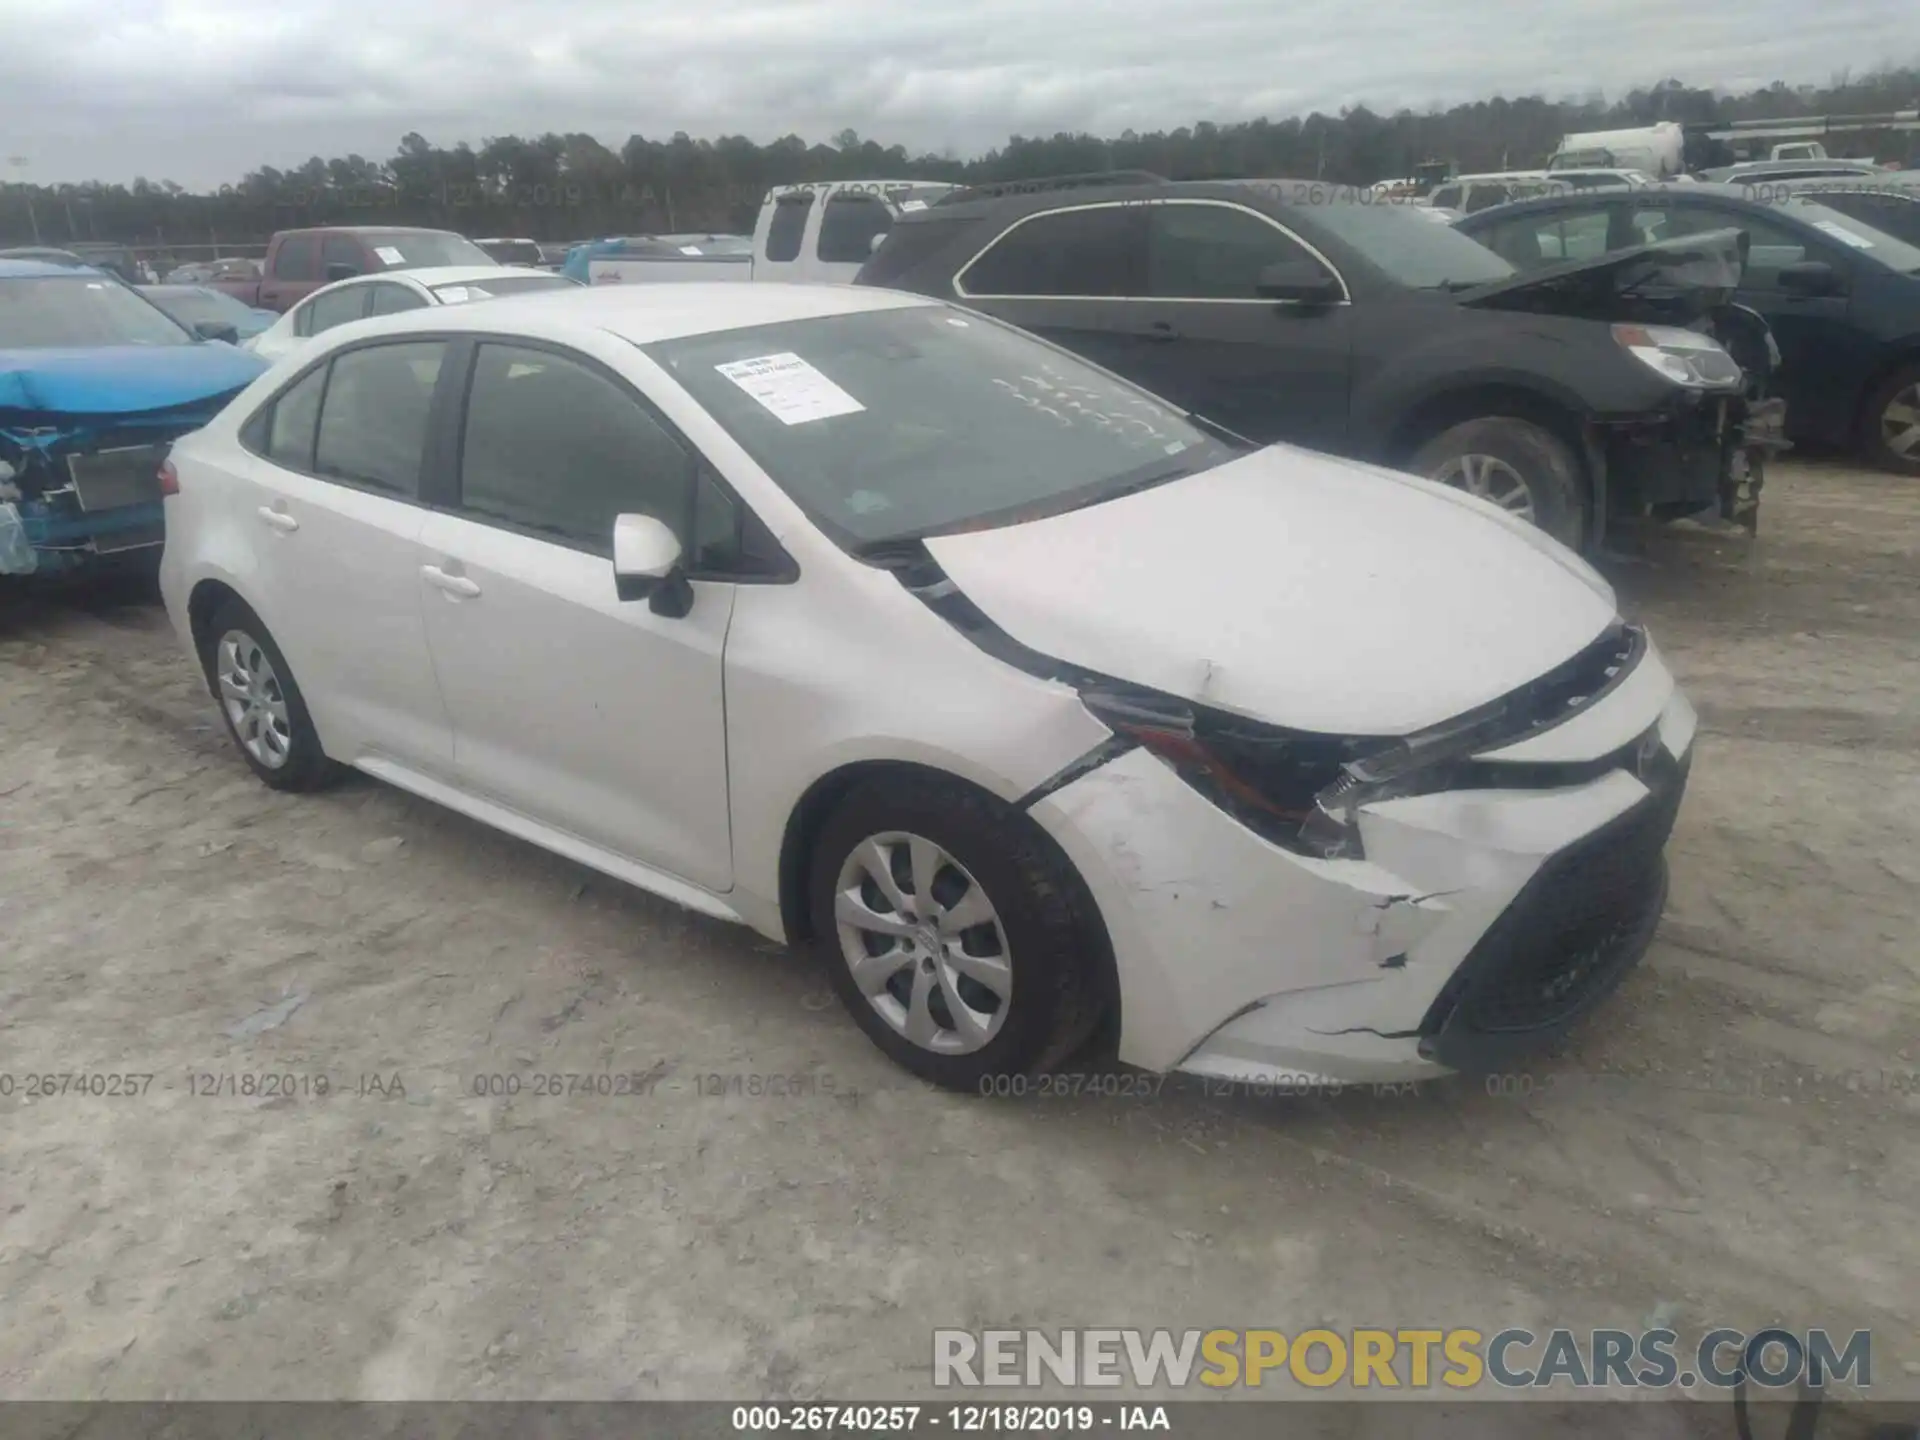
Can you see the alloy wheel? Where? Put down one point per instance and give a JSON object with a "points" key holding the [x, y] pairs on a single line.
{"points": [[924, 943], [1900, 423], [1490, 478], [251, 694]]}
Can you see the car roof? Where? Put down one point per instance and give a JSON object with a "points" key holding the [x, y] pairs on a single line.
{"points": [[1740, 195], [643, 314], [431, 275], [44, 270], [370, 230]]}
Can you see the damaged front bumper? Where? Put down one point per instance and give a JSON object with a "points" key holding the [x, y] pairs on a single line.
{"points": [[1706, 453], [1480, 925], [75, 495]]}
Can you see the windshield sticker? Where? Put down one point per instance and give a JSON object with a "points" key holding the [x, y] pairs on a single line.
{"points": [[689, 249], [389, 255], [1841, 233], [906, 205], [453, 294], [790, 389]]}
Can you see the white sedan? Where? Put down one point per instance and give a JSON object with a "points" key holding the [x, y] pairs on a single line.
{"points": [[392, 292], [1029, 700]]}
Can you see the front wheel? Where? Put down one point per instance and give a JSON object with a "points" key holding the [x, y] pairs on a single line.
{"points": [[1526, 470], [952, 934], [1890, 427]]}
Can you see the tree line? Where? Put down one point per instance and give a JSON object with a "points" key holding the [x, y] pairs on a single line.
{"points": [[567, 187]]}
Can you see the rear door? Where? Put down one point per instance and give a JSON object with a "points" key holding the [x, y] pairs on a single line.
{"points": [[1070, 275], [592, 715], [1203, 336], [334, 464]]}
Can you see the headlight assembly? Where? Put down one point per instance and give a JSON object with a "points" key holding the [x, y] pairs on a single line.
{"points": [[1686, 357]]}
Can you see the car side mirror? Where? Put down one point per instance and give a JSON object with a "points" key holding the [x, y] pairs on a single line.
{"points": [[217, 330], [1810, 278], [341, 271], [1301, 281], [647, 565]]}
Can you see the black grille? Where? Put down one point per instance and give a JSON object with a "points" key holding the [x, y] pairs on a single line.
{"points": [[1579, 925]]}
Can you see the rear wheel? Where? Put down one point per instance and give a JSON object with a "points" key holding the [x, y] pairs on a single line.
{"points": [[1890, 425], [951, 933], [1526, 470], [262, 705]]}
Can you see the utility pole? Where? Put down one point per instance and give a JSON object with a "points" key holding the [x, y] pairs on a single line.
{"points": [[20, 162]]}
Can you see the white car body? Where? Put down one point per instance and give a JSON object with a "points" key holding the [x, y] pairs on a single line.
{"points": [[468, 663], [1659, 149], [428, 285], [816, 254]]}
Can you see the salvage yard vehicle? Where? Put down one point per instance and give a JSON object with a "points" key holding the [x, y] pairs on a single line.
{"points": [[504, 250], [1030, 700], [299, 262], [392, 293], [95, 381], [650, 259], [1889, 202], [224, 317], [1292, 311], [1842, 298]]}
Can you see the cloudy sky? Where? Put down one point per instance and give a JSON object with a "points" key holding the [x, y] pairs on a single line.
{"points": [[201, 91]]}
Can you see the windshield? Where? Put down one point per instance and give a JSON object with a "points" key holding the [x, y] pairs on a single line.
{"points": [[410, 249], [495, 285], [191, 305], [59, 311], [1411, 250], [899, 423], [512, 252]]}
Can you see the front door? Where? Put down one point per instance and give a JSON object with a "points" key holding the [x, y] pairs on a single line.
{"points": [[1204, 337], [1068, 276], [589, 714]]}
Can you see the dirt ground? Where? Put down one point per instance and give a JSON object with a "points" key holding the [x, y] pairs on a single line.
{"points": [[1731, 1141]]}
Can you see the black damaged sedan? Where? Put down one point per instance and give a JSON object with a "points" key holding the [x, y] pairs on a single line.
{"points": [[1311, 314]]}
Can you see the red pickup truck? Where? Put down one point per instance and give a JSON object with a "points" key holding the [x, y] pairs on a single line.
{"points": [[299, 262]]}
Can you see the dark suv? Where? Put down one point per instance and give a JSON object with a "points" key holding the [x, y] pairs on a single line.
{"points": [[1293, 311]]}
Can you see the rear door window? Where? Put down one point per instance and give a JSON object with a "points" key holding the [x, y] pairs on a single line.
{"points": [[788, 227], [373, 421], [1528, 242]]}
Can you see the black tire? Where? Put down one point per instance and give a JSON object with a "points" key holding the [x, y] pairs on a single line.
{"points": [[1055, 1003], [306, 766], [1873, 421], [1556, 486]]}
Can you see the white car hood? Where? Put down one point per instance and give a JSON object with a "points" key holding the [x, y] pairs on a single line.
{"points": [[1294, 588]]}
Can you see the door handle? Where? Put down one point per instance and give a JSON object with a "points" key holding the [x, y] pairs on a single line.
{"points": [[1159, 330], [278, 519], [457, 585]]}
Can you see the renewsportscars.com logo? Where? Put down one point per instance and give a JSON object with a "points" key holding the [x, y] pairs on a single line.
{"points": [[1372, 1359]]}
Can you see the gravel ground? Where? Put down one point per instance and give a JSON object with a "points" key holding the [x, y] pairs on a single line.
{"points": [[1730, 1141]]}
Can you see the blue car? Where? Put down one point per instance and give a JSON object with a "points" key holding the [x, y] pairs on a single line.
{"points": [[203, 306], [96, 382]]}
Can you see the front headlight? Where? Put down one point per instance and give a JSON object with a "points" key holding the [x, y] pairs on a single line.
{"points": [[1686, 357]]}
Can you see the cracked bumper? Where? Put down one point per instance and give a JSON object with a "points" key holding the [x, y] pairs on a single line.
{"points": [[1239, 960]]}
